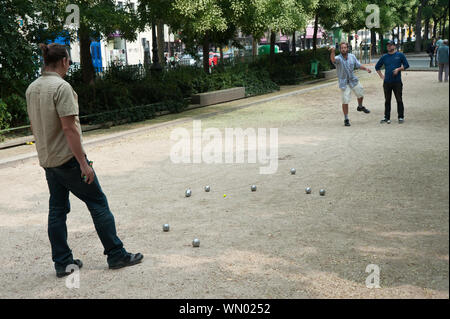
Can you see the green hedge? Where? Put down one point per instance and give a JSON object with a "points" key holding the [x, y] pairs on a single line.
{"points": [[13, 112], [5, 117], [134, 93], [409, 46], [117, 93], [17, 107], [290, 69]]}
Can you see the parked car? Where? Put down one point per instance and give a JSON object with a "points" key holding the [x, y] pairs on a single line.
{"points": [[74, 66], [213, 58], [187, 59]]}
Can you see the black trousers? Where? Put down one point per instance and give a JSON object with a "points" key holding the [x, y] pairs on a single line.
{"points": [[397, 87]]}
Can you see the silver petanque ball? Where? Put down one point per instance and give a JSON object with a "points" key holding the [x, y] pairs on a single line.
{"points": [[293, 171], [166, 227], [253, 188], [308, 190], [196, 242], [322, 192], [188, 193], [207, 188]]}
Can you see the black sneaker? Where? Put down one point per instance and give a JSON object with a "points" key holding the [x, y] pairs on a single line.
{"points": [[128, 260], [384, 121], [362, 109], [64, 273], [401, 120], [347, 122]]}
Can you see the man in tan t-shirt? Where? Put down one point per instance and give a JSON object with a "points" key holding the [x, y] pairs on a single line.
{"points": [[51, 90], [52, 107]]}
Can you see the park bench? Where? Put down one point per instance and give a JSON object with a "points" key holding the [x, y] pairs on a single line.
{"points": [[219, 96]]}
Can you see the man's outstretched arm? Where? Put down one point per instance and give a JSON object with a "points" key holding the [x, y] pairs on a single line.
{"points": [[332, 55]]}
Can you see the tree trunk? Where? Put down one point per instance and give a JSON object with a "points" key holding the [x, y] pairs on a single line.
{"points": [[435, 23], [304, 41], [254, 48], [448, 15], [294, 50], [418, 45], [156, 66], [87, 68], [349, 41], [316, 26], [221, 53], [403, 37], [448, 29], [380, 35], [273, 36], [427, 30], [206, 53], [393, 34], [161, 40], [409, 33], [373, 40]]}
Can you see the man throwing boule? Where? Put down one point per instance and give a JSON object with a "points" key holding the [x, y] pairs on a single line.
{"points": [[345, 64]]}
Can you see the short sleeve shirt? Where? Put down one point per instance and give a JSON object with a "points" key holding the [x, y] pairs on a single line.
{"points": [[49, 98], [345, 68]]}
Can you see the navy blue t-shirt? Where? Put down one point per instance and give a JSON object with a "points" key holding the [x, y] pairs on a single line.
{"points": [[391, 62]]}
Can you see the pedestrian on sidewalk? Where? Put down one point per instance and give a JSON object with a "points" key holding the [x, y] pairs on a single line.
{"points": [[52, 107], [439, 42], [431, 48], [345, 64], [442, 57], [394, 62]]}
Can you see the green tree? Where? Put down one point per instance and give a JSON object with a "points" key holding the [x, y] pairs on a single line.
{"points": [[327, 13], [99, 19], [284, 16], [198, 22], [257, 17], [19, 28], [156, 13]]}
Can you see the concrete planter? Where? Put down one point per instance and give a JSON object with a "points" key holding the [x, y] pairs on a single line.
{"points": [[220, 96]]}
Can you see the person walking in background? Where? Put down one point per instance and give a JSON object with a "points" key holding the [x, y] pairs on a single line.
{"points": [[52, 107], [431, 51], [442, 58], [346, 63], [394, 63], [436, 47]]}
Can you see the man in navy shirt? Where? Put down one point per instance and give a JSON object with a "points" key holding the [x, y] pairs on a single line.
{"points": [[394, 62]]}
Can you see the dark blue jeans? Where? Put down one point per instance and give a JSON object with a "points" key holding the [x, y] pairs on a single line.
{"points": [[67, 178]]}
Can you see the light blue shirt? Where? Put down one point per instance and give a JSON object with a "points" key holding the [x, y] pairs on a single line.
{"points": [[345, 68]]}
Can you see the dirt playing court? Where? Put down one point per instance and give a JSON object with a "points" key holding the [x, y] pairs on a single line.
{"points": [[387, 203]]}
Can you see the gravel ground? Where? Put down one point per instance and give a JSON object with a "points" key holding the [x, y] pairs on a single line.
{"points": [[387, 203]]}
